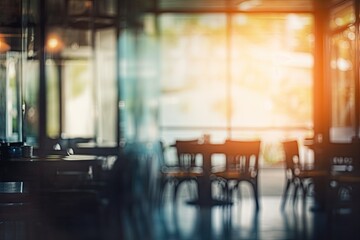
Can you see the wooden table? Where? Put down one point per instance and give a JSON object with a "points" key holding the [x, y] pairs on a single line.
{"points": [[40, 170]]}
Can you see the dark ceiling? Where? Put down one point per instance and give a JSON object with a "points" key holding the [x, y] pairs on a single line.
{"points": [[238, 5]]}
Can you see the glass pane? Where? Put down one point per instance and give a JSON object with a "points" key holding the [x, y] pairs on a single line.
{"points": [[342, 16], [106, 86], [193, 77], [261, 83], [271, 71], [10, 97], [139, 73], [78, 99], [87, 91], [81, 52], [127, 92], [342, 86], [31, 93], [53, 98], [31, 78], [70, 83], [12, 57]]}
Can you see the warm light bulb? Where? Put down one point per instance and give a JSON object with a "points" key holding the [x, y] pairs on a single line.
{"points": [[54, 44], [88, 4]]}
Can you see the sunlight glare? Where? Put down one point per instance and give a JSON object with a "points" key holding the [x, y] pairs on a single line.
{"points": [[294, 22]]}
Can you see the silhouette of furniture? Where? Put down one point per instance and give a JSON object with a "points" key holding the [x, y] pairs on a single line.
{"points": [[344, 180], [298, 175], [242, 165], [18, 205], [185, 170]]}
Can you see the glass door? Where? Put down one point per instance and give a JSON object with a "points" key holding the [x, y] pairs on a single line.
{"points": [[240, 76], [342, 74], [72, 83], [13, 51]]}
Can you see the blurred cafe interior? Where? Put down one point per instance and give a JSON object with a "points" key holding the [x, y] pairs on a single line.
{"points": [[179, 119]]}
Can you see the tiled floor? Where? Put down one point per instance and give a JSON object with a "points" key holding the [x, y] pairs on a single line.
{"points": [[239, 221], [182, 221]]}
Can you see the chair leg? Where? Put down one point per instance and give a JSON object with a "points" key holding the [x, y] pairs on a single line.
{"points": [[161, 192], [304, 192], [238, 188], [256, 195], [225, 190], [229, 191], [284, 198], [221, 188], [176, 189], [192, 185], [296, 188]]}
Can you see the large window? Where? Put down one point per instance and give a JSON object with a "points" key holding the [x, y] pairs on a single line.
{"points": [[81, 98], [342, 62], [79, 80], [271, 81], [236, 76], [193, 77]]}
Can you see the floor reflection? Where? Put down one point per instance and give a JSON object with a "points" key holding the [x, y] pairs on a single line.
{"points": [[239, 221], [132, 219], [184, 221]]}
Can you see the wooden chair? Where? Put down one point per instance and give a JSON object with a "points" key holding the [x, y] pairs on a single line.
{"points": [[242, 164], [184, 170], [298, 175]]}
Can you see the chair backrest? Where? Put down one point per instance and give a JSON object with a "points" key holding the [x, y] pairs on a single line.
{"points": [[292, 157], [242, 155], [185, 154]]}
